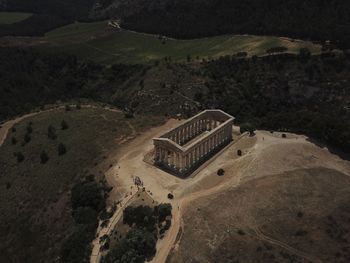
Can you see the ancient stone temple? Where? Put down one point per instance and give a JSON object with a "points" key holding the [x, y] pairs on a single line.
{"points": [[184, 148]]}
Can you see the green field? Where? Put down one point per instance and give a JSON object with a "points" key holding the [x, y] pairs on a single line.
{"points": [[131, 47], [12, 17], [76, 29]]}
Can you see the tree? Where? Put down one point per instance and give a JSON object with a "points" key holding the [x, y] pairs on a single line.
{"points": [[85, 215], [163, 210], [220, 172], [51, 132], [61, 149], [304, 54], [87, 194], [29, 129], [64, 125], [27, 138], [247, 127], [20, 157], [44, 157]]}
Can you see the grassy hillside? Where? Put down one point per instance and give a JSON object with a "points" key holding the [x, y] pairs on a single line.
{"points": [[130, 47], [252, 223], [76, 29], [12, 17], [34, 197]]}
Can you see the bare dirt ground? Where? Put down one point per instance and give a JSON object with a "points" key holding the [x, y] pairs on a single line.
{"points": [[264, 155]]}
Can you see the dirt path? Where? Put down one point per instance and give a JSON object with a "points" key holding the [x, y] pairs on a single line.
{"points": [[263, 154], [96, 246], [285, 246]]}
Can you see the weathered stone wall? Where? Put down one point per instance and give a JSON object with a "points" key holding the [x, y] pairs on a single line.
{"points": [[180, 152]]}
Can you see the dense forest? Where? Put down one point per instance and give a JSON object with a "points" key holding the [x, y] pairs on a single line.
{"points": [[299, 93], [318, 20], [47, 15], [314, 19]]}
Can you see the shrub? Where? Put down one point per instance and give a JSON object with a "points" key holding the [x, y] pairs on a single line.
{"points": [[85, 215], [163, 211], [29, 129], [8, 185], [13, 129], [75, 248], [67, 108], [220, 172], [241, 232], [247, 127], [13, 140], [78, 106], [64, 125], [284, 135], [304, 54], [87, 194], [170, 196], [44, 157], [20, 157], [61, 149], [239, 152], [27, 138], [51, 132]]}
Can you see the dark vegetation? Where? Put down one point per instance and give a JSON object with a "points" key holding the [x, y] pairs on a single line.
{"points": [[30, 79], [314, 19], [308, 95], [38, 222], [140, 242], [299, 93], [87, 201], [47, 15]]}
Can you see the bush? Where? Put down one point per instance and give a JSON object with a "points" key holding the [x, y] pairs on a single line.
{"points": [[27, 138], [139, 245], [284, 135], [85, 215], [29, 129], [239, 152], [241, 232], [75, 248], [163, 211], [44, 157], [51, 132], [170, 196], [220, 172], [67, 108], [64, 125], [304, 54], [87, 194], [13, 140], [20, 157], [61, 149], [247, 127]]}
